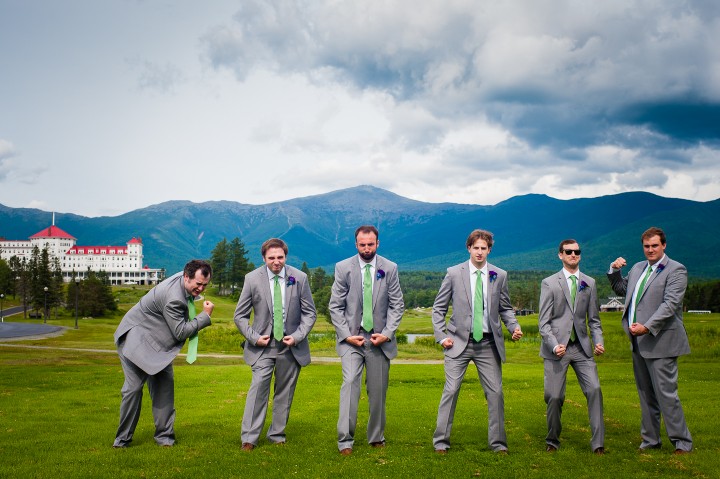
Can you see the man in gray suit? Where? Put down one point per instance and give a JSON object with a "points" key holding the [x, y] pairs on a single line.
{"points": [[654, 291], [276, 341], [366, 305], [479, 295], [148, 338], [568, 306]]}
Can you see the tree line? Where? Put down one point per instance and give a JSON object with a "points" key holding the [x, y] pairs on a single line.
{"points": [[230, 265], [38, 284]]}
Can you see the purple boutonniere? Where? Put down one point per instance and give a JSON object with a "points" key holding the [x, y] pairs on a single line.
{"points": [[291, 280], [582, 286], [660, 267], [492, 276], [380, 274]]}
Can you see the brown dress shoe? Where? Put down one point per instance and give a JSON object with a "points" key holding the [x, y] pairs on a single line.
{"points": [[247, 446], [377, 444], [680, 452], [599, 451], [346, 452], [551, 448], [441, 451]]}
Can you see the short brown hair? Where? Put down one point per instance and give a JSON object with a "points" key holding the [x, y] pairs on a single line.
{"points": [[564, 242], [480, 234], [653, 231], [367, 229], [273, 243], [197, 264]]}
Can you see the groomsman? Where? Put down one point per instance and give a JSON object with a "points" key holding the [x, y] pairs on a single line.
{"points": [[654, 291], [568, 306], [276, 341], [148, 339], [478, 292], [366, 306]]}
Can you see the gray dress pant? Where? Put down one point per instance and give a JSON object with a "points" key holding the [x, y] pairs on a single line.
{"points": [[487, 361], [555, 382], [162, 395], [377, 372], [657, 385], [277, 359]]}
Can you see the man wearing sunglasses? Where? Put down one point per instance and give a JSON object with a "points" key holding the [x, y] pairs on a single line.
{"points": [[568, 306], [654, 291]]}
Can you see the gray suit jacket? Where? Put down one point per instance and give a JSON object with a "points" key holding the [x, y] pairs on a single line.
{"points": [[659, 308], [557, 314], [155, 329], [299, 312], [346, 303], [455, 289]]}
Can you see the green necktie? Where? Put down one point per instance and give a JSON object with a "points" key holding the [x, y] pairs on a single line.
{"points": [[640, 292], [193, 343], [573, 293], [367, 317], [479, 308], [277, 311]]}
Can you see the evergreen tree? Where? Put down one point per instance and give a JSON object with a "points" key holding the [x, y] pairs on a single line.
{"points": [[6, 278], [240, 264], [219, 260]]}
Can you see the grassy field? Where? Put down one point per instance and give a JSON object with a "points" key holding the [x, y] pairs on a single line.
{"points": [[59, 412]]}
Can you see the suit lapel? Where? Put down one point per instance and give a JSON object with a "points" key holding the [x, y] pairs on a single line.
{"points": [[490, 288], [289, 290], [651, 278], [376, 280], [566, 291], [265, 288], [465, 277]]}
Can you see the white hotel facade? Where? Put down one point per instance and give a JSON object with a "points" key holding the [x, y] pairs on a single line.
{"points": [[123, 264]]}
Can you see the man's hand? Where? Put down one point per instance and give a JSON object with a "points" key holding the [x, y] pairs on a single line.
{"points": [[618, 263], [355, 340], [517, 334], [263, 341], [560, 350], [637, 329], [377, 339], [208, 307], [447, 343], [289, 341], [599, 349]]}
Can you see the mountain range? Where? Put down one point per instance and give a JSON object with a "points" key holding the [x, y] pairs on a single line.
{"points": [[417, 235]]}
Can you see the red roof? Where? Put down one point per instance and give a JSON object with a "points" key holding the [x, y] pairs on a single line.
{"points": [[135, 241], [52, 232]]}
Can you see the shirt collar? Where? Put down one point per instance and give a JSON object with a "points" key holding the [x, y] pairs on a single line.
{"points": [[568, 274], [484, 269], [271, 275], [363, 263]]}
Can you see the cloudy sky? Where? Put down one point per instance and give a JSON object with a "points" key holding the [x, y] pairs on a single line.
{"points": [[109, 106]]}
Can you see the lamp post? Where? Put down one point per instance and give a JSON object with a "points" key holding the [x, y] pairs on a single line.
{"points": [[77, 297], [45, 315], [2, 316]]}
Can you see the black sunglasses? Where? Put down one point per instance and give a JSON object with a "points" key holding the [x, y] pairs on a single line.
{"points": [[571, 251]]}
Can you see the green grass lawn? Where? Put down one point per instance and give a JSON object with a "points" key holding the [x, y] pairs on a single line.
{"points": [[59, 412]]}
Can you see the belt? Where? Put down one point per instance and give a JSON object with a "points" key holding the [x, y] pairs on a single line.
{"points": [[486, 336]]}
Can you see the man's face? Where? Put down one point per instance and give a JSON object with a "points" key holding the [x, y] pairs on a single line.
{"points": [[274, 259], [367, 244], [570, 256], [653, 249], [479, 252], [197, 284]]}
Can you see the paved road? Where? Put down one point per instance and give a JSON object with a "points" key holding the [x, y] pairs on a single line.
{"points": [[19, 330]]}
